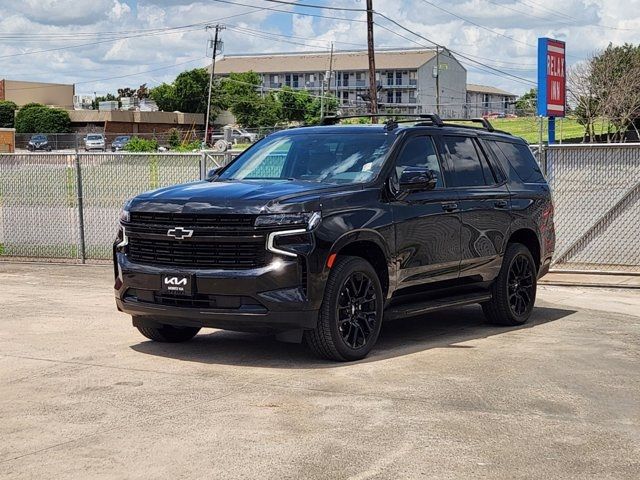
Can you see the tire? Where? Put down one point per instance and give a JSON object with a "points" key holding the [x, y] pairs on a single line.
{"points": [[352, 298], [169, 333], [511, 288]]}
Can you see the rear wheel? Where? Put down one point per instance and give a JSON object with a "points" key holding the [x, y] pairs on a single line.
{"points": [[514, 291], [351, 314], [168, 333]]}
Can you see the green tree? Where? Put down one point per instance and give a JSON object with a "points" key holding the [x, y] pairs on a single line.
{"points": [[329, 105], [7, 114], [37, 118], [191, 91], [165, 97], [527, 102], [240, 93], [295, 104]]}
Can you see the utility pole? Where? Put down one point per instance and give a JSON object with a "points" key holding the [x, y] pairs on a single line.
{"points": [[373, 87], [438, 79], [330, 70], [213, 66]]}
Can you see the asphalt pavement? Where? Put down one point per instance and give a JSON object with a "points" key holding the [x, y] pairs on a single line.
{"points": [[83, 395]]}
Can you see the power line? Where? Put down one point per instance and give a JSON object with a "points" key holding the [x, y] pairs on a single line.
{"points": [[478, 25], [495, 71], [322, 7], [272, 9], [165, 31]]}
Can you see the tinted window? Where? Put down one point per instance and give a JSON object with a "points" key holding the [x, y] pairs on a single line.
{"points": [[466, 162], [521, 159], [315, 157], [419, 152]]}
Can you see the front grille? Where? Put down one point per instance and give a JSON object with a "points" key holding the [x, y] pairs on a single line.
{"points": [[241, 255], [244, 222], [217, 241]]}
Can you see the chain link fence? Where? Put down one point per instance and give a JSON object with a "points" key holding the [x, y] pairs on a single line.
{"points": [[596, 193], [58, 206]]}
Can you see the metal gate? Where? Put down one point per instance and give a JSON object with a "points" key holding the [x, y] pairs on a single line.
{"points": [[596, 192]]}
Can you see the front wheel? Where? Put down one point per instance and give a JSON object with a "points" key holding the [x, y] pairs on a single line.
{"points": [[168, 333], [514, 291], [351, 314]]}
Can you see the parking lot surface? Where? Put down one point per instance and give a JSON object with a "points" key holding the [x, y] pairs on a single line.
{"points": [[83, 395]]}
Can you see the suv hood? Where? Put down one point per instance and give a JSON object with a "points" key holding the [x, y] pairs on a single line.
{"points": [[244, 197]]}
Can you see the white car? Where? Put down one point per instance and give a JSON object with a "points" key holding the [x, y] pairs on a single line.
{"points": [[95, 141]]}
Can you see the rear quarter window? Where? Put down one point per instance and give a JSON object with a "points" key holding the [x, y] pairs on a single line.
{"points": [[519, 156]]}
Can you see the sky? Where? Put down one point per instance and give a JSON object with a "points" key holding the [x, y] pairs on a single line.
{"points": [[103, 45]]}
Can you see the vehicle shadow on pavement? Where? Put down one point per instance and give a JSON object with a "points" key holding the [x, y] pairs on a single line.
{"points": [[445, 329]]}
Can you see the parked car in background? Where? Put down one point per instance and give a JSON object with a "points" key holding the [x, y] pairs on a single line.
{"points": [[39, 142], [120, 142], [94, 141], [238, 135]]}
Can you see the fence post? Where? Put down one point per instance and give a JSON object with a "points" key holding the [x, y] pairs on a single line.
{"points": [[83, 252], [203, 166]]}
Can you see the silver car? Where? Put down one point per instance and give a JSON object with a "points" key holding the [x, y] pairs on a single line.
{"points": [[95, 141]]}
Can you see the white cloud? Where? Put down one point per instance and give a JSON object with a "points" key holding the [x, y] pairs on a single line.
{"points": [[34, 25]]}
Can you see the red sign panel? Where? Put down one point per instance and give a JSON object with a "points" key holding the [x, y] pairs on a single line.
{"points": [[552, 90]]}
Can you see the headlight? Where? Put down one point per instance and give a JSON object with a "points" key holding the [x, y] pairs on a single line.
{"points": [[125, 215], [295, 237], [307, 220]]}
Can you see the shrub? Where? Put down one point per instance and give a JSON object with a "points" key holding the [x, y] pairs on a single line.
{"points": [[37, 118], [137, 144], [174, 139], [7, 114]]}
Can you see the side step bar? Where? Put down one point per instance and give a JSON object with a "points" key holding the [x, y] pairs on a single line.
{"points": [[419, 308]]}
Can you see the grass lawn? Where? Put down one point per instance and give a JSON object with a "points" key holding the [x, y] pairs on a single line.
{"points": [[529, 128]]}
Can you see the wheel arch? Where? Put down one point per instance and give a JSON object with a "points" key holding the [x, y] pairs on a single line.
{"points": [[370, 246], [529, 239]]}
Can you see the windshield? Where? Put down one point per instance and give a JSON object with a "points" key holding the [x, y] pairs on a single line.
{"points": [[318, 157], [39, 138], [94, 137], [121, 139]]}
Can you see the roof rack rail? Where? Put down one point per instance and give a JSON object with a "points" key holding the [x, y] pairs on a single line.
{"points": [[485, 123], [435, 119]]}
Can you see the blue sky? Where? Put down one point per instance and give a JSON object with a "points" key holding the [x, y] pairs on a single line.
{"points": [[103, 45]]}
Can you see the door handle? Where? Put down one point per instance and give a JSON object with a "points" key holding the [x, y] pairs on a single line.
{"points": [[501, 204], [449, 207]]}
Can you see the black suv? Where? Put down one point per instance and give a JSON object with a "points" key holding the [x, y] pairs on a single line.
{"points": [[317, 233]]}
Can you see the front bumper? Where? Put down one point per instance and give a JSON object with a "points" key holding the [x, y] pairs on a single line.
{"points": [[268, 299]]}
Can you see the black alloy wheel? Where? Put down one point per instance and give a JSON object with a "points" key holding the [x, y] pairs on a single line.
{"points": [[513, 293], [356, 310], [520, 285], [350, 317]]}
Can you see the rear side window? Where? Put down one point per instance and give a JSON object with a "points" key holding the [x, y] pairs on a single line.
{"points": [[470, 169], [522, 161]]}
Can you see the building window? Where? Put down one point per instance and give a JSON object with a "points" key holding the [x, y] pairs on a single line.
{"points": [[506, 103], [486, 103], [345, 79], [398, 78], [389, 96], [389, 78], [296, 81], [345, 97], [312, 77], [398, 96], [287, 80]]}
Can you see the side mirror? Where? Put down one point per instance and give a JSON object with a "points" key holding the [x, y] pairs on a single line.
{"points": [[417, 178], [211, 174]]}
